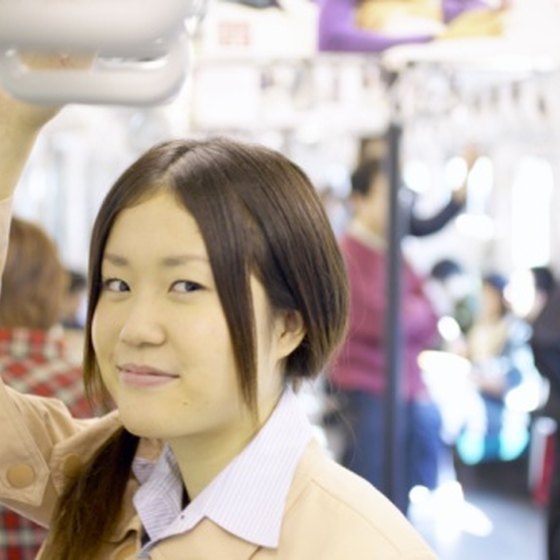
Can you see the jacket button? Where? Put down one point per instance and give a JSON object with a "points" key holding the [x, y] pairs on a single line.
{"points": [[20, 476], [127, 552], [72, 465]]}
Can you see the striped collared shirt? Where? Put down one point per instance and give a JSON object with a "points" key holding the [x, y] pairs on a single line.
{"points": [[246, 499]]}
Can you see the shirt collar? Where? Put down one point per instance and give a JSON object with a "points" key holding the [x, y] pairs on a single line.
{"points": [[246, 499]]}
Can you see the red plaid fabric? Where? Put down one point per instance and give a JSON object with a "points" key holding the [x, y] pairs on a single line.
{"points": [[34, 361]]}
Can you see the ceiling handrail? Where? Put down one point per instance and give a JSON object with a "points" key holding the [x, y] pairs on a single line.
{"points": [[112, 26]]}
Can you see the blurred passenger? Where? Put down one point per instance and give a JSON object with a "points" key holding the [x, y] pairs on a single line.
{"points": [[501, 358], [359, 375], [544, 284], [73, 301], [32, 351], [545, 342], [529, 290], [452, 292], [375, 148]]}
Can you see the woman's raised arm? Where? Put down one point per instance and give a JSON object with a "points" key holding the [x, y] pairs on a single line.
{"points": [[20, 124]]}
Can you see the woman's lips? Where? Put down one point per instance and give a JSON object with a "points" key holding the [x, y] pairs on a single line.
{"points": [[142, 376]]}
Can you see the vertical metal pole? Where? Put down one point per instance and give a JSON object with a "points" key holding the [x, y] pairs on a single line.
{"points": [[394, 459]]}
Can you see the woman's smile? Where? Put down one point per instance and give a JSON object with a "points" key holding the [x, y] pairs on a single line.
{"points": [[144, 376]]}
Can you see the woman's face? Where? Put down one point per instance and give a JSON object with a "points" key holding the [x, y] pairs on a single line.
{"points": [[160, 335]]}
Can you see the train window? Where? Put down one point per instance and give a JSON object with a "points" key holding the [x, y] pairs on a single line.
{"points": [[530, 220]]}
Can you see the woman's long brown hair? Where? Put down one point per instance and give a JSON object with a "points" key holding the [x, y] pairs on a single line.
{"points": [[258, 214], [90, 504]]}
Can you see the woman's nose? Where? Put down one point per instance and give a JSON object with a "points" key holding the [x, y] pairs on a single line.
{"points": [[142, 325]]}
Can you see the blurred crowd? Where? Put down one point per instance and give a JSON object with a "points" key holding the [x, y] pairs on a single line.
{"points": [[471, 391]]}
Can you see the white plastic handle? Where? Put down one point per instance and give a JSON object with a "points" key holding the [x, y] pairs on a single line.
{"points": [[116, 27], [124, 82]]}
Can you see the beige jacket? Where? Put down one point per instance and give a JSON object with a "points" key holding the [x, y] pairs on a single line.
{"points": [[331, 514]]}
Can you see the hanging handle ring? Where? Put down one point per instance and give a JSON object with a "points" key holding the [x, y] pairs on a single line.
{"points": [[107, 81]]}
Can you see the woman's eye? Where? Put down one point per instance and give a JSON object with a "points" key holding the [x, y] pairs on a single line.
{"points": [[114, 285], [184, 286]]}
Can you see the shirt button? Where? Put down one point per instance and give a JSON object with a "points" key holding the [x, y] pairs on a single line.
{"points": [[127, 552], [72, 465], [20, 476]]}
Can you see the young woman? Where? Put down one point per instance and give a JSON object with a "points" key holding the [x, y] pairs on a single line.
{"points": [[216, 286]]}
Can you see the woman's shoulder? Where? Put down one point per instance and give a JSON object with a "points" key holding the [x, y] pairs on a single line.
{"points": [[353, 497], [348, 516]]}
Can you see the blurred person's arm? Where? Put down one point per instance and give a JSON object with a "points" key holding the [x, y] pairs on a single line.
{"points": [[420, 227]]}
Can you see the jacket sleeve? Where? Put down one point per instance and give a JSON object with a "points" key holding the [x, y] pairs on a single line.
{"points": [[41, 447]]}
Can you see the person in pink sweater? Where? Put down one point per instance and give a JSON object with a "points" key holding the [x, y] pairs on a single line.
{"points": [[358, 375]]}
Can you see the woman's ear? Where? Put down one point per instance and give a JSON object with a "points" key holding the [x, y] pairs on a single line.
{"points": [[291, 331]]}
